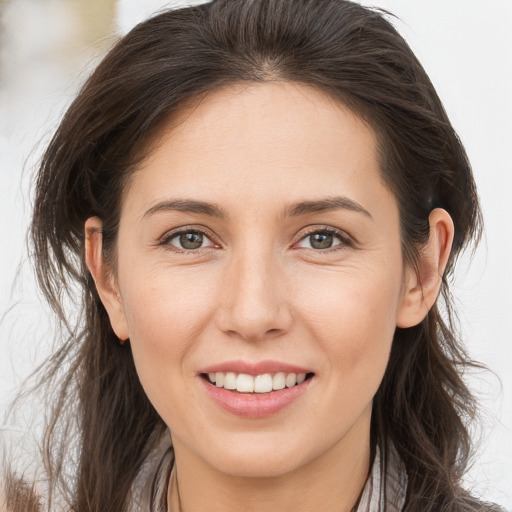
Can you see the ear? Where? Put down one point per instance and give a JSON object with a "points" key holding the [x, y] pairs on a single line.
{"points": [[104, 280], [422, 287]]}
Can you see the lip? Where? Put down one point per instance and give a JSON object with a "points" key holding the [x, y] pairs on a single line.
{"points": [[254, 405], [258, 368]]}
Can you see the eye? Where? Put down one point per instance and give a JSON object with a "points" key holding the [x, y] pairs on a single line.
{"points": [[323, 239], [189, 240]]}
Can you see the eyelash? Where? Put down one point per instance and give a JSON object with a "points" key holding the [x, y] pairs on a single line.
{"points": [[166, 239], [345, 240]]}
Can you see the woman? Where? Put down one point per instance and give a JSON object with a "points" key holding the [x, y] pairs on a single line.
{"points": [[261, 202]]}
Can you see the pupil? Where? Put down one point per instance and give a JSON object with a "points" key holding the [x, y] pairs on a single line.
{"points": [[191, 240], [321, 241]]}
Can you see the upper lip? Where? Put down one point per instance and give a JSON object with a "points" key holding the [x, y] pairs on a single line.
{"points": [[254, 368]]}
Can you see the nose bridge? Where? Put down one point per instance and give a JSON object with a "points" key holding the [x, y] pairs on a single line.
{"points": [[254, 303]]}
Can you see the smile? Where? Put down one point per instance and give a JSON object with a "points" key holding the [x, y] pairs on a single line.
{"points": [[255, 390], [265, 383]]}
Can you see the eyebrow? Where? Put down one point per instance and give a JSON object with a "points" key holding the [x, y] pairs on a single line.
{"points": [[325, 205], [188, 206], [294, 210]]}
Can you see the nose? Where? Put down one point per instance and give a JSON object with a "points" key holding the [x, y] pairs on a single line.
{"points": [[255, 300]]}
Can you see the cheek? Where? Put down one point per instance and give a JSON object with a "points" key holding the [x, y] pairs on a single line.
{"points": [[165, 314], [346, 299], [352, 314]]}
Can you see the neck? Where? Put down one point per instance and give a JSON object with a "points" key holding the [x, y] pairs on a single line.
{"points": [[331, 482]]}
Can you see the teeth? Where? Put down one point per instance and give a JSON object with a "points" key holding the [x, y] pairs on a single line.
{"points": [[265, 383], [279, 381], [291, 380], [245, 383], [219, 379], [230, 381]]}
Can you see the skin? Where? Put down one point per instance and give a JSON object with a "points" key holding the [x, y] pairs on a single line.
{"points": [[257, 290]]}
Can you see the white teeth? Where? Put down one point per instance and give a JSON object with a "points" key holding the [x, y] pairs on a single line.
{"points": [[279, 381], [263, 383], [230, 381], [291, 380], [244, 383]]}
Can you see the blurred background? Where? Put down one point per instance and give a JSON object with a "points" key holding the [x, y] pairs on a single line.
{"points": [[47, 49]]}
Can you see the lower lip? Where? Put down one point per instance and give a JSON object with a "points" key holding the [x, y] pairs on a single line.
{"points": [[255, 405]]}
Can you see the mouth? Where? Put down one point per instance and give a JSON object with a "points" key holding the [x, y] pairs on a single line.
{"points": [[256, 384], [256, 390]]}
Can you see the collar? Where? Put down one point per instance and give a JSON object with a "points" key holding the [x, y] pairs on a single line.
{"points": [[385, 494]]}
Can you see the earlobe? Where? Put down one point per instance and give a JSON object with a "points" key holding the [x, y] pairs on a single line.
{"points": [[103, 279], [422, 287]]}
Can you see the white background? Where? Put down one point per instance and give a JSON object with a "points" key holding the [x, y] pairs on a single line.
{"points": [[46, 50]]}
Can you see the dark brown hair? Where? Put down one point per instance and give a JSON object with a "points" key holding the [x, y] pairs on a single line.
{"points": [[354, 55]]}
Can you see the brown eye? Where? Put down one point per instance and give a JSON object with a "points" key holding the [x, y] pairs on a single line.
{"points": [[190, 240], [322, 240]]}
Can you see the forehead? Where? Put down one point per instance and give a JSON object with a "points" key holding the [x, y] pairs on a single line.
{"points": [[260, 139]]}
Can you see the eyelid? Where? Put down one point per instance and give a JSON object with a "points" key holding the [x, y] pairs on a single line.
{"points": [[343, 236], [165, 239]]}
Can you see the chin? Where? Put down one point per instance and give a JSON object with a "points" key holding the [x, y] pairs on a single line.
{"points": [[254, 460], [260, 468]]}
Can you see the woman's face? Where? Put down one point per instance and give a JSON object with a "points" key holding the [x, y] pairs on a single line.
{"points": [[258, 239]]}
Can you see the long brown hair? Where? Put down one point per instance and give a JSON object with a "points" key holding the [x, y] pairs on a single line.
{"points": [[351, 53]]}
